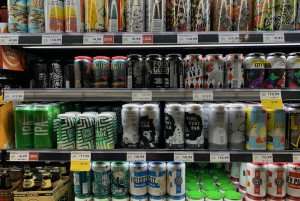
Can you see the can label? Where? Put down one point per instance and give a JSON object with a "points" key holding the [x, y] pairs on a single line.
{"points": [[160, 75], [119, 73], [74, 17], [294, 131], [66, 132], [101, 183], [276, 130], [135, 16], [120, 180], [138, 179], [285, 14], [102, 73], [194, 71], [193, 130], [217, 129], [36, 16], [130, 123], [242, 15], [85, 133], [174, 127], [276, 181], [200, 12], [214, 70], [54, 14], [234, 71], [293, 182], [94, 16], [222, 20], [17, 16], [56, 75], [264, 12], [157, 181], [293, 78], [178, 15], [156, 18], [115, 10], [176, 180], [105, 130]]}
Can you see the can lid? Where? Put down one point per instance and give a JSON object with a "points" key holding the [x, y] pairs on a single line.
{"points": [[135, 56], [84, 57], [214, 195], [154, 55], [119, 57], [174, 55], [232, 195], [294, 54], [256, 54], [102, 57], [276, 54], [195, 195]]}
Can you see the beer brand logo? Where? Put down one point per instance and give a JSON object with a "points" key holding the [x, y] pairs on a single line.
{"points": [[257, 181], [279, 182], [178, 180]]}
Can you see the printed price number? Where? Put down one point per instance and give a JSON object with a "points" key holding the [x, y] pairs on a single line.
{"points": [[296, 157], [276, 94], [229, 38], [14, 95], [52, 39], [142, 96], [23, 156], [132, 39], [203, 96], [9, 40], [80, 161], [262, 158], [271, 99], [187, 38], [274, 37], [92, 39], [136, 156], [184, 157], [222, 157]]}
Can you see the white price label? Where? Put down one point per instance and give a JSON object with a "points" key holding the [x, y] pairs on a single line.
{"points": [[203, 96], [136, 156], [52, 39], [187, 38], [142, 95], [219, 157], [296, 157], [274, 94], [90, 39], [132, 39], [262, 158], [80, 156], [229, 38], [184, 157], [14, 95], [19, 156], [9, 39], [274, 37]]}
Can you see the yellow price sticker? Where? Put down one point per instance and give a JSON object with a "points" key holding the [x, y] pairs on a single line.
{"points": [[271, 99], [80, 161]]}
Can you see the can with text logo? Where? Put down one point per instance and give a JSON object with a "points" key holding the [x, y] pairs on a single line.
{"points": [[36, 16], [174, 63], [264, 12], [135, 15], [200, 15], [242, 15], [293, 178], [293, 70], [85, 132], [101, 178], [194, 71], [214, 71], [115, 15], [155, 16], [74, 15], [175, 179], [178, 13], [105, 130], [138, 178], [17, 16], [275, 71], [257, 180], [234, 77], [222, 15], [136, 71], [95, 16], [120, 179], [54, 16], [254, 68], [158, 72], [157, 178], [101, 65], [277, 174], [66, 133], [119, 65], [285, 14]]}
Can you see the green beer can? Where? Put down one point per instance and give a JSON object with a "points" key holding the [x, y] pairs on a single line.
{"points": [[66, 131], [85, 132], [120, 179]]}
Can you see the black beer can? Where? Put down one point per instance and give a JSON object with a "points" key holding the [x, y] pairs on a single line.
{"points": [[55, 74], [83, 72], [40, 74], [69, 75], [136, 71], [174, 63]]}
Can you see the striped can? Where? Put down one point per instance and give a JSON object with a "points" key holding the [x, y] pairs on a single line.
{"points": [[105, 130], [277, 175], [175, 179], [264, 12], [138, 178], [17, 16], [54, 16], [115, 15], [200, 15], [178, 15], [120, 179], [157, 178], [66, 133], [194, 71], [82, 183], [36, 16], [74, 15], [95, 16], [135, 16], [85, 129], [156, 15], [101, 178]]}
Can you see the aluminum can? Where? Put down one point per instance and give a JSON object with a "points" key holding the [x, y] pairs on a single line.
{"points": [[248, 197], [157, 198], [293, 177], [276, 128], [158, 72], [36, 16], [85, 132], [293, 130], [193, 129], [178, 13], [136, 71], [120, 179], [293, 70], [69, 75], [264, 12], [242, 15], [74, 15], [157, 178], [194, 71], [119, 67], [257, 179], [138, 178], [17, 16], [297, 21], [105, 130], [276, 185], [118, 111], [275, 71], [234, 76], [40, 74], [95, 15], [174, 125], [155, 16], [101, 65], [205, 116], [200, 15], [235, 118], [254, 67], [175, 179], [285, 14], [56, 78], [54, 16], [135, 15], [115, 15], [149, 126], [130, 123], [235, 172], [214, 71], [101, 178], [82, 183], [66, 133], [82, 72], [243, 177], [256, 131], [222, 17], [175, 64]]}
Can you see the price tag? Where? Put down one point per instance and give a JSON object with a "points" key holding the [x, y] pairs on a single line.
{"points": [[296, 157], [229, 38], [274, 37], [219, 157], [9, 39], [19, 156], [132, 39], [184, 157], [203, 96], [262, 158], [187, 38], [52, 39], [142, 95], [80, 161], [271, 99], [90, 39], [14, 95], [136, 156]]}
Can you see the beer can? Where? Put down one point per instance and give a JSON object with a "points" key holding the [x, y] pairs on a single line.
{"points": [[275, 71], [276, 127], [205, 116], [174, 125], [175, 179], [119, 67], [293, 130], [115, 15], [138, 178], [135, 15], [149, 126], [136, 71], [54, 16], [118, 111], [120, 179], [256, 131], [193, 129], [293, 178], [85, 132], [82, 183], [214, 71], [157, 178], [175, 64], [157, 198], [234, 76], [156, 16], [264, 12], [95, 16], [84, 198], [69, 75], [83, 72], [248, 197], [101, 178], [178, 14], [276, 186], [257, 179], [101, 65], [200, 15], [194, 71], [157, 72], [105, 130], [222, 17], [74, 15], [293, 70], [36, 16], [40, 74], [17, 16], [130, 123], [235, 172], [285, 14], [243, 177], [139, 198], [235, 120], [217, 132], [297, 21], [56, 74], [242, 15], [66, 131], [254, 67]]}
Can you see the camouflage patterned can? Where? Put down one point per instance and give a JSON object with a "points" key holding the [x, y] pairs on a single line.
{"points": [[264, 12], [194, 71], [221, 10], [214, 71], [285, 14], [17, 16], [242, 15], [178, 15], [200, 15]]}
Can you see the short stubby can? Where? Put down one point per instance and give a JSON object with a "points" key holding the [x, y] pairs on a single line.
{"points": [[277, 175], [242, 15], [101, 178], [94, 15], [17, 16], [74, 15], [82, 183], [285, 14], [222, 15], [130, 124], [136, 71], [85, 132], [105, 130], [264, 12], [293, 177], [178, 15], [293, 70], [138, 178], [66, 133], [257, 180], [119, 66], [194, 71], [176, 179], [275, 71], [101, 66], [135, 16], [120, 179], [157, 178], [200, 15], [175, 65], [115, 14], [83, 72], [214, 71], [155, 16], [234, 76], [256, 127], [36, 16], [254, 67], [293, 128], [54, 16]]}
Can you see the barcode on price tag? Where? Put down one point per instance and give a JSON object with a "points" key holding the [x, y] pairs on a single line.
{"points": [[132, 39], [19, 156], [90, 39], [187, 157], [274, 37], [136, 156], [296, 157], [52, 39], [203, 95], [187, 38], [14, 95], [144, 95], [80, 161], [219, 157], [9, 39], [229, 38], [262, 158]]}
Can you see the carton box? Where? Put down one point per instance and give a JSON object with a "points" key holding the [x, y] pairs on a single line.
{"points": [[11, 59], [7, 195]]}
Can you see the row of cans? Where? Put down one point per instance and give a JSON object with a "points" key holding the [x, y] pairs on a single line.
{"points": [[138, 179]]}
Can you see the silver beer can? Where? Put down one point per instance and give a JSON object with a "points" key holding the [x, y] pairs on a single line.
{"points": [[135, 13], [155, 15], [130, 123]]}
